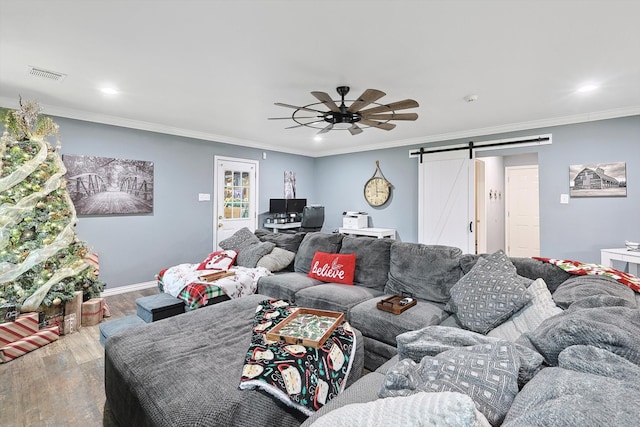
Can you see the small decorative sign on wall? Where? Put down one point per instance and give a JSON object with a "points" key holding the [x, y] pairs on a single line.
{"points": [[108, 186], [598, 180]]}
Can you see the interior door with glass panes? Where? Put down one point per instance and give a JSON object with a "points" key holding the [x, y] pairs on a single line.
{"points": [[236, 196]]}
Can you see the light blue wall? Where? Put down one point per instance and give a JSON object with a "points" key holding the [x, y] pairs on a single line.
{"points": [[577, 230], [133, 249]]}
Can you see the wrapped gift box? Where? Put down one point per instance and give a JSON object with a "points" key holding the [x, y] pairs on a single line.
{"points": [[92, 311], [23, 326], [25, 345]]}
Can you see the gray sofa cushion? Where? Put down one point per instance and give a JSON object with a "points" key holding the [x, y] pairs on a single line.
{"points": [[372, 260], [594, 291], [313, 242], [425, 271], [334, 297], [385, 326], [288, 241], [285, 285]]}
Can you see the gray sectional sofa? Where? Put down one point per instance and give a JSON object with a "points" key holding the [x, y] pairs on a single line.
{"points": [[555, 348]]}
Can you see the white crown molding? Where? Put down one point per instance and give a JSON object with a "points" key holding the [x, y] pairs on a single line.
{"points": [[169, 130], [513, 127]]}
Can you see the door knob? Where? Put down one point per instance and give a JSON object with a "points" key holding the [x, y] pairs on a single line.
{"points": [[219, 225]]}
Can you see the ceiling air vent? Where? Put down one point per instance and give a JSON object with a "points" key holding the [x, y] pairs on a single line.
{"points": [[53, 76]]}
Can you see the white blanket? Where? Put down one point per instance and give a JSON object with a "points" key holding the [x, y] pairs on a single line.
{"points": [[244, 282]]}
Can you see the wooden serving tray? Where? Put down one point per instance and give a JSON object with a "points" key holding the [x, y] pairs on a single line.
{"points": [[306, 326], [216, 276], [391, 304]]}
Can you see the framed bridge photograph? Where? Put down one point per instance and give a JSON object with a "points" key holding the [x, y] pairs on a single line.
{"points": [[108, 186], [598, 180]]}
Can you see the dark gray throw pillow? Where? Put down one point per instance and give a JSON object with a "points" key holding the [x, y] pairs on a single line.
{"points": [[239, 240], [488, 294], [250, 255]]}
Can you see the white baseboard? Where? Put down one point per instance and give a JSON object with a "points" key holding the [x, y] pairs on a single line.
{"points": [[128, 288]]}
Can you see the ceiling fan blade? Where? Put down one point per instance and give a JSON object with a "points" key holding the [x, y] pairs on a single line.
{"points": [[289, 118], [326, 129], [326, 100], [355, 129], [305, 124], [401, 116], [394, 106], [367, 97], [379, 125], [280, 104]]}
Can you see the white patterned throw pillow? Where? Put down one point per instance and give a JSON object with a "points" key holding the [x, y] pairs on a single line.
{"points": [[540, 308]]}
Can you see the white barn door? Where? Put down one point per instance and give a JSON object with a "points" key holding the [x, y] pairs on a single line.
{"points": [[446, 202]]}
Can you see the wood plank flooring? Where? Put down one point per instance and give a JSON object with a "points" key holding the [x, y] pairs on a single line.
{"points": [[62, 384]]}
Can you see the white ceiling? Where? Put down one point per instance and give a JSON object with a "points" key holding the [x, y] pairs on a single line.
{"points": [[213, 69]]}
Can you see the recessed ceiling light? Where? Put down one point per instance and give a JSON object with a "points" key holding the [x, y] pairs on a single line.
{"points": [[317, 138], [587, 87], [109, 90]]}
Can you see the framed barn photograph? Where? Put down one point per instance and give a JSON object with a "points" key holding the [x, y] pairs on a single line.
{"points": [[108, 186], [598, 180]]}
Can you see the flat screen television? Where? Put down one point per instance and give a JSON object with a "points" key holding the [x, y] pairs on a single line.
{"points": [[278, 206], [296, 205]]}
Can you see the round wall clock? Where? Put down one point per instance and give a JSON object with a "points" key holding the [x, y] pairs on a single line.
{"points": [[377, 189]]}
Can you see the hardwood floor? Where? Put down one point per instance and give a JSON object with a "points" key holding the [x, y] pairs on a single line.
{"points": [[62, 384]]}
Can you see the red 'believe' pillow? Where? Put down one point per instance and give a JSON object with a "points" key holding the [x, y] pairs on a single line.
{"points": [[219, 260], [335, 268]]}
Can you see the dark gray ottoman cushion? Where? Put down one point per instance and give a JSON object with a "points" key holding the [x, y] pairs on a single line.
{"points": [[158, 306], [426, 272], [372, 260], [334, 297], [186, 370], [114, 326], [385, 326], [285, 285]]}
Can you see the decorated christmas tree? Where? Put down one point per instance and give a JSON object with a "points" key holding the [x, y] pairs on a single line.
{"points": [[41, 259]]}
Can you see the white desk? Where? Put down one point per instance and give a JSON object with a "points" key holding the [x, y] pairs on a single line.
{"points": [[370, 231], [285, 226], [621, 254]]}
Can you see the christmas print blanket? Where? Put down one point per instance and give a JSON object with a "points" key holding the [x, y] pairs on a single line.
{"points": [[580, 268], [304, 378], [184, 281]]}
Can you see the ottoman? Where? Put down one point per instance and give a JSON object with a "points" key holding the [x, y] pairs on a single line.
{"points": [[186, 370], [158, 306], [117, 325]]}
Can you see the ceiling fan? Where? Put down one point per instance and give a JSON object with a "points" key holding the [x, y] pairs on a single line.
{"points": [[343, 117]]}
